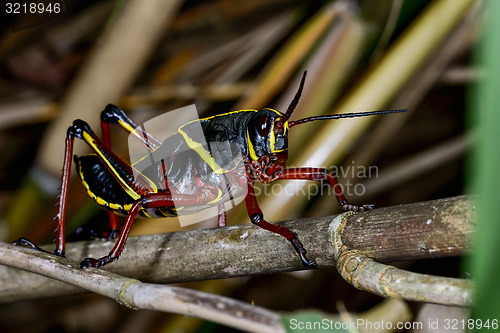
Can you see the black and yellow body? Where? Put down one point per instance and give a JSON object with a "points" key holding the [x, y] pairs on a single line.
{"points": [[182, 164], [205, 163]]}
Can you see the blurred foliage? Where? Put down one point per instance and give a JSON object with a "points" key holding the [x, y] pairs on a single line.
{"points": [[483, 110]]}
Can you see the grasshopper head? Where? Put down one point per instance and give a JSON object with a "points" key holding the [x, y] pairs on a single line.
{"points": [[268, 130], [268, 137], [267, 134], [268, 141]]}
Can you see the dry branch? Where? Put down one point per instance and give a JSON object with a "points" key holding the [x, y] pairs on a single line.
{"points": [[429, 229], [388, 281], [137, 295]]}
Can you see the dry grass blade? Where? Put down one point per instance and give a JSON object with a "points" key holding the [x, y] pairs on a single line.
{"points": [[243, 51], [262, 39], [36, 110], [418, 165], [333, 61], [411, 96], [110, 70], [284, 64]]}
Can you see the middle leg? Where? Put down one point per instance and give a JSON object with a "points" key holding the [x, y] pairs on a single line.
{"points": [[152, 200]]}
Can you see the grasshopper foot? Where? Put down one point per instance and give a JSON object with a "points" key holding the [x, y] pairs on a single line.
{"points": [[96, 263], [27, 243], [297, 245]]}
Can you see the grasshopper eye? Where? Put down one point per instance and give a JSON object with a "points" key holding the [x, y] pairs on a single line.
{"points": [[263, 126]]}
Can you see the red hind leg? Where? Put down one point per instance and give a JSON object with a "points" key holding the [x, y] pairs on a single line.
{"points": [[63, 195], [114, 115], [82, 130]]}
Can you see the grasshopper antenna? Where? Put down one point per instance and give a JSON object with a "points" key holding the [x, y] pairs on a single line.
{"points": [[342, 115], [295, 100]]}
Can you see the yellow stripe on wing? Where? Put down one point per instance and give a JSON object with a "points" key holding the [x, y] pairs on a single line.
{"points": [[130, 191]]}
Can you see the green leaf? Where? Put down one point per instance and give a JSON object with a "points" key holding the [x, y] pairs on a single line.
{"points": [[485, 110]]}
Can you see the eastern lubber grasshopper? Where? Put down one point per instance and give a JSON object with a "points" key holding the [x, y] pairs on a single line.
{"points": [[260, 135]]}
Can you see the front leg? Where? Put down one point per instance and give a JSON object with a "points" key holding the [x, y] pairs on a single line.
{"points": [[114, 254], [257, 218], [322, 174]]}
